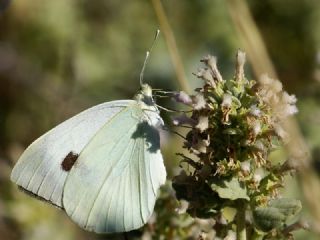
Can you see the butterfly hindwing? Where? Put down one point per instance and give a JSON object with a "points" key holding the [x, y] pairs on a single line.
{"points": [[113, 185]]}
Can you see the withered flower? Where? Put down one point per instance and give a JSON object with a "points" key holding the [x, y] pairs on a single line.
{"points": [[234, 126]]}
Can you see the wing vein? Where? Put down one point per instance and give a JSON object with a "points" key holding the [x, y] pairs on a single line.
{"points": [[105, 179], [140, 182]]}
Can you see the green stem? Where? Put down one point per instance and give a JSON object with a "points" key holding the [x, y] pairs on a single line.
{"points": [[257, 236], [241, 221]]}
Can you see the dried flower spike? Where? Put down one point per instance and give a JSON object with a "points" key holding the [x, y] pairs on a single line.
{"points": [[235, 126]]}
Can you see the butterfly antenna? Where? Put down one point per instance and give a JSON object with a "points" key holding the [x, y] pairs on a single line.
{"points": [[173, 110], [147, 56]]}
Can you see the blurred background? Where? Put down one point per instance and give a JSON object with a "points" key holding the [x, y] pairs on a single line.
{"points": [[60, 57]]}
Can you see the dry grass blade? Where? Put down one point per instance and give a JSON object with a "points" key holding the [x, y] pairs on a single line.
{"points": [[172, 46]]}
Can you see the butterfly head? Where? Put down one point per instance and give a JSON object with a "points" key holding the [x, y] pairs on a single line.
{"points": [[145, 100], [145, 95], [146, 90]]}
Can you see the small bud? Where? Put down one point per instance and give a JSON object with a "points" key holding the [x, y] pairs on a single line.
{"points": [[226, 108], [240, 61], [227, 101], [183, 120], [255, 111], [290, 110], [290, 99], [211, 62], [199, 102], [256, 128], [203, 123], [245, 166], [206, 75], [258, 175], [182, 97]]}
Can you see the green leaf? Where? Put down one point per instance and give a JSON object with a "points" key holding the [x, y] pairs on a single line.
{"points": [[278, 212], [229, 213], [268, 218], [230, 189], [236, 102], [287, 206], [269, 182]]}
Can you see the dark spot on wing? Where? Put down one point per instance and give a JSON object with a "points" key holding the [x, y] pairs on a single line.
{"points": [[69, 161], [31, 194], [150, 134]]}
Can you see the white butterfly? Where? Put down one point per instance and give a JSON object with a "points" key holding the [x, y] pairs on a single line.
{"points": [[103, 166]]}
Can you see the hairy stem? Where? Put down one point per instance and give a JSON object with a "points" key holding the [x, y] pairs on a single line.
{"points": [[241, 221]]}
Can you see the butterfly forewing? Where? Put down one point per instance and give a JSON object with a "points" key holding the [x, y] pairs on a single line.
{"points": [[39, 169]]}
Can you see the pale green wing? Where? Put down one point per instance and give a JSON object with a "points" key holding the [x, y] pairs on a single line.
{"points": [[114, 183], [39, 168]]}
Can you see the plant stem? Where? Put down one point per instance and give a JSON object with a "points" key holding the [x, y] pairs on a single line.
{"points": [[257, 236], [241, 221]]}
